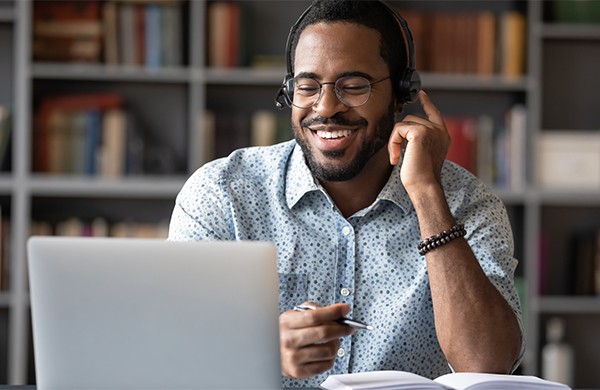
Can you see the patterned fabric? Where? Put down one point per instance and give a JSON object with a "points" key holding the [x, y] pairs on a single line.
{"points": [[369, 260]]}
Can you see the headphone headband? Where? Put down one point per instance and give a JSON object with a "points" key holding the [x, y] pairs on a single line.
{"points": [[409, 83]]}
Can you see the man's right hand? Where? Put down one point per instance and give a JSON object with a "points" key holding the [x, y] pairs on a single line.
{"points": [[310, 339]]}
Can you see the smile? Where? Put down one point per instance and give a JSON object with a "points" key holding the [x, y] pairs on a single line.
{"points": [[334, 134]]}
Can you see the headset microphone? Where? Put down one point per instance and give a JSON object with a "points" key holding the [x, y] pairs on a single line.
{"points": [[409, 83]]}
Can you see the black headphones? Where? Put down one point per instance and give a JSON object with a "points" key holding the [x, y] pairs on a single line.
{"points": [[409, 84]]}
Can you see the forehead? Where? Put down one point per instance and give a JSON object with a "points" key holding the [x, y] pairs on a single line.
{"points": [[331, 49]]}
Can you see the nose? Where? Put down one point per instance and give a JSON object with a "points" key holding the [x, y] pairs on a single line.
{"points": [[328, 104]]}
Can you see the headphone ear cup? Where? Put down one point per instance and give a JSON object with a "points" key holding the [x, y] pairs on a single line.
{"points": [[281, 99], [283, 95], [410, 85]]}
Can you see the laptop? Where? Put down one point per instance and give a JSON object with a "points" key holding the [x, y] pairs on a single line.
{"points": [[124, 313]]}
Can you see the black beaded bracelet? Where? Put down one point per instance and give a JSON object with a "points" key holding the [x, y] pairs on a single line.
{"points": [[442, 238]]}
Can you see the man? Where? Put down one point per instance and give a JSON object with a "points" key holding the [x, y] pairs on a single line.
{"points": [[347, 204]]}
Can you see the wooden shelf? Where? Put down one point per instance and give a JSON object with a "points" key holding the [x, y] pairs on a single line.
{"points": [[4, 299], [7, 15], [575, 198], [570, 31], [569, 304], [459, 82], [149, 187], [93, 72]]}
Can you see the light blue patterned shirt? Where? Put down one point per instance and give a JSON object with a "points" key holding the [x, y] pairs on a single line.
{"points": [[369, 260]]}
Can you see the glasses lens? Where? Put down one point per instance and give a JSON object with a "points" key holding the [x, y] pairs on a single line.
{"points": [[306, 92], [353, 91]]}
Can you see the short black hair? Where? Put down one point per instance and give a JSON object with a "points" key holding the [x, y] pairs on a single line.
{"points": [[372, 14]]}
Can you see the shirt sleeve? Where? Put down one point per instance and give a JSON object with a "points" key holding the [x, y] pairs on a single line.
{"points": [[201, 209]]}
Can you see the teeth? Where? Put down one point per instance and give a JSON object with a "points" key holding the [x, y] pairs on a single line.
{"points": [[334, 134]]}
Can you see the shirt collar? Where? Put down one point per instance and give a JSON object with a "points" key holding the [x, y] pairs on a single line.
{"points": [[394, 191], [300, 181]]}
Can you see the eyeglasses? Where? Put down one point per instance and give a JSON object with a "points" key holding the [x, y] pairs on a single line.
{"points": [[352, 91]]}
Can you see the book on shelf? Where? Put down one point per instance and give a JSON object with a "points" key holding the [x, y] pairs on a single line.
{"points": [[67, 30], [485, 148], [171, 39], [492, 149], [486, 39], [95, 134], [568, 11], [137, 33], [223, 34], [126, 39], [5, 139], [99, 227], [468, 42], [113, 151], [111, 33], [220, 133], [4, 251], [513, 35], [139, 37], [60, 128], [597, 264], [226, 34], [396, 380], [263, 128], [232, 132], [516, 128], [463, 135], [206, 127], [543, 263], [585, 248], [568, 159], [269, 128]]}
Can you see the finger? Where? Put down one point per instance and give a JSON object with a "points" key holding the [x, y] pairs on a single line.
{"points": [[400, 134], [331, 313], [395, 145], [317, 352], [314, 315], [432, 112], [311, 360], [302, 328]]}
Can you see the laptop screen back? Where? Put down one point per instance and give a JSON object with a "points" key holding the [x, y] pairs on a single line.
{"points": [[113, 313]]}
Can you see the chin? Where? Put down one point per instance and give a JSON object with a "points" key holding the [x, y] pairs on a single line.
{"points": [[335, 167]]}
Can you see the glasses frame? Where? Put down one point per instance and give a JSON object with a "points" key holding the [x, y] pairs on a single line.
{"points": [[292, 82]]}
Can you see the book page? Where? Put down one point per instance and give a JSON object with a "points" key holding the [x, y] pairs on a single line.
{"points": [[478, 381], [380, 380]]}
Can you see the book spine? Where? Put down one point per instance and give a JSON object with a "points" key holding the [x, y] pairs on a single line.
{"points": [[153, 36]]}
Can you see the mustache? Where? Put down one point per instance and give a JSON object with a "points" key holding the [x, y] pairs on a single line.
{"points": [[333, 120]]}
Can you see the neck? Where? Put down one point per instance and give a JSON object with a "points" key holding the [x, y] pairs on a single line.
{"points": [[361, 191]]}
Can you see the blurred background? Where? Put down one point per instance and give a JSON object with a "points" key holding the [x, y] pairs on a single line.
{"points": [[106, 106]]}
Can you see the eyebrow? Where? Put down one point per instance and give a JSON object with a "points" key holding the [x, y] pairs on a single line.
{"points": [[315, 76]]}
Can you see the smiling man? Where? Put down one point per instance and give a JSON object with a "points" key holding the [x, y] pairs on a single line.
{"points": [[368, 218]]}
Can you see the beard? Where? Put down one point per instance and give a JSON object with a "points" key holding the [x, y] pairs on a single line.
{"points": [[333, 170]]}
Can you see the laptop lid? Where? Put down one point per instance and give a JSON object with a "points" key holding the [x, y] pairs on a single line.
{"points": [[114, 313]]}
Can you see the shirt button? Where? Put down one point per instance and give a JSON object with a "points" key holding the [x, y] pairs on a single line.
{"points": [[341, 352], [345, 292], [345, 230]]}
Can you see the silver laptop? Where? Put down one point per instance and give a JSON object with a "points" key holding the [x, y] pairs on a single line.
{"points": [[112, 313]]}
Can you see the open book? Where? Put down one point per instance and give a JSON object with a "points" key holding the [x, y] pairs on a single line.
{"points": [[397, 380]]}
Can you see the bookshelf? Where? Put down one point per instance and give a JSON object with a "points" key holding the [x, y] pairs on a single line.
{"points": [[172, 103]]}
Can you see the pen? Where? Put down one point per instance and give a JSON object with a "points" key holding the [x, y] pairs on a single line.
{"points": [[343, 320]]}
